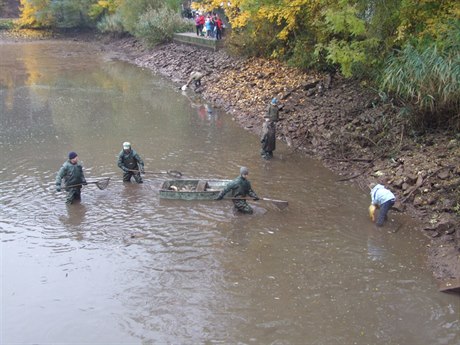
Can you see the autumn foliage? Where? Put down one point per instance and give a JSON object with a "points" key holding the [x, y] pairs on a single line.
{"points": [[377, 40], [406, 44]]}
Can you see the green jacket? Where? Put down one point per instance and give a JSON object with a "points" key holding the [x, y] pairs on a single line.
{"points": [[272, 112], [239, 187], [71, 173], [131, 160]]}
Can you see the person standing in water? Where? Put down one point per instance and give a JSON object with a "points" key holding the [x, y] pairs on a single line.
{"points": [[268, 139], [240, 187], [72, 174], [131, 163]]}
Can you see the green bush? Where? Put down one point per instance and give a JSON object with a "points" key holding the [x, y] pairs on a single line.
{"points": [[6, 24], [254, 40], [131, 10], [71, 13], [428, 78], [158, 25], [304, 55], [111, 24]]}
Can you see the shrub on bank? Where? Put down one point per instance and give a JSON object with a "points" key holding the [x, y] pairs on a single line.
{"points": [[71, 14], [6, 24], [428, 78], [158, 25], [111, 24]]}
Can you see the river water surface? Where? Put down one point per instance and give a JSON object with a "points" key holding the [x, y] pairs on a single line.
{"points": [[124, 267]]}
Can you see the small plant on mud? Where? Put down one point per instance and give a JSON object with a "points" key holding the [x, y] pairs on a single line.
{"points": [[6, 24], [158, 25], [457, 209]]}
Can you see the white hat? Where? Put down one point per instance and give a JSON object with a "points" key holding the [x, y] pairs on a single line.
{"points": [[126, 145]]}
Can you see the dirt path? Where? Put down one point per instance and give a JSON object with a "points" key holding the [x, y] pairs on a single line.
{"points": [[348, 127]]}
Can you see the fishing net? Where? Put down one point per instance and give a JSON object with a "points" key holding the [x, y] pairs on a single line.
{"points": [[103, 184]]}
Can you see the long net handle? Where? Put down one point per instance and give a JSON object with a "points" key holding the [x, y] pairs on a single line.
{"points": [[101, 184], [281, 204], [79, 184], [173, 173]]}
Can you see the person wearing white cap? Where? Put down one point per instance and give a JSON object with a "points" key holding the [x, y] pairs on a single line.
{"points": [[382, 198], [131, 163], [240, 187]]}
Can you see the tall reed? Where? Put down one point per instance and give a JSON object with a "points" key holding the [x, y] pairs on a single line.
{"points": [[429, 79]]}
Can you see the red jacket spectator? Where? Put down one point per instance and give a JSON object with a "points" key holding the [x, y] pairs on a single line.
{"points": [[219, 23], [218, 28]]}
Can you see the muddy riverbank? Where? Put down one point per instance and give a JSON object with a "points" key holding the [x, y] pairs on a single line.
{"points": [[350, 128]]}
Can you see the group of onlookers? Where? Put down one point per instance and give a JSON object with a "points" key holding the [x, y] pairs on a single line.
{"points": [[211, 24]]}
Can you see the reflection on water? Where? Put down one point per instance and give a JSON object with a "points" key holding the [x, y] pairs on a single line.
{"points": [[124, 267]]}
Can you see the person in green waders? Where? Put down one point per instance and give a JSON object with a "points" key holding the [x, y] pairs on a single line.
{"points": [[72, 173], [268, 138], [240, 187], [131, 163]]}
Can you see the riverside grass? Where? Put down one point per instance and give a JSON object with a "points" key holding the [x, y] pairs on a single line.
{"points": [[428, 79]]}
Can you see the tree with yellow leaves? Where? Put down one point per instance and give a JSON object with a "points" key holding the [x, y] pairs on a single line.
{"points": [[35, 13]]}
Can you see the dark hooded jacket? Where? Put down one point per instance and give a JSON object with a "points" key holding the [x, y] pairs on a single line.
{"points": [[131, 160], [239, 187], [272, 113], [71, 173]]}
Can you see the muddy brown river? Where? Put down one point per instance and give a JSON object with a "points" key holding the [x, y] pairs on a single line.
{"points": [[124, 267]]}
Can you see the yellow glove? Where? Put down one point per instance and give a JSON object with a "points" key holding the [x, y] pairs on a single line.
{"points": [[372, 212]]}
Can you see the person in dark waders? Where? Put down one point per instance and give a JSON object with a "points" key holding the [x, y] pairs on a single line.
{"points": [[268, 139], [72, 174], [131, 163], [240, 187]]}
